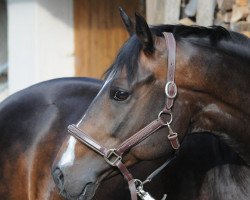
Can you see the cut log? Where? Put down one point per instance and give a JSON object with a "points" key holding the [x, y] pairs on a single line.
{"points": [[248, 18], [247, 33], [241, 2], [219, 19], [239, 12], [205, 12], [227, 17], [225, 5], [186, 21], [241, 26], [223, 18]]}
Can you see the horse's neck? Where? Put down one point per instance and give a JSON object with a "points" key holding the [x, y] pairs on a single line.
{"points": [[222, 76], [219, 87], [227, 78], [224, 120], [233, 89]]}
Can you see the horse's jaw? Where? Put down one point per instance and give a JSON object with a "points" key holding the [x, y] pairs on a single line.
{"points": [[88, 192], [90, 189]]}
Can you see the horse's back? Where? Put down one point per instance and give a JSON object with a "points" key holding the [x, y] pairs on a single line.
{"points": [[33, 123], [59, 96]]}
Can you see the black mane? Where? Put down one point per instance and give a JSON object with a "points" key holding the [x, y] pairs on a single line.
{"points": [[214, 33], [230, 42], [127, 57]]}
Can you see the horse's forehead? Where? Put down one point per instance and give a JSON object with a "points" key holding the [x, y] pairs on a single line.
{"points": [[160, 44], [156, 64], [120, 78]]}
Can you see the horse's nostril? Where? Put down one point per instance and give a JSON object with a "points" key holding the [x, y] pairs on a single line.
{"points": [[58, 178]]}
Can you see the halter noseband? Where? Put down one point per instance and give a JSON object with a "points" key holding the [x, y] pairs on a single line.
{"points": [[114, 156]]}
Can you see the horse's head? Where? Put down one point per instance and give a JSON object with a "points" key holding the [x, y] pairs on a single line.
{"points": [[132, 96]]}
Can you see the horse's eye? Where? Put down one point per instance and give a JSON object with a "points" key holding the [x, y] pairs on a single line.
{"points": [[120, 95]]}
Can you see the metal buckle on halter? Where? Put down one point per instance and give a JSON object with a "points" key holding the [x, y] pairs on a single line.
{"points": [[167, 87], [112, 157]]}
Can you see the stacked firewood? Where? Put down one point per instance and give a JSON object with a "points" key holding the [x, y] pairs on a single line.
{"points": [[231, 14], [234, 15]]}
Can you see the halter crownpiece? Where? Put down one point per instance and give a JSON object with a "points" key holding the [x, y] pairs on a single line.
{"points": [[114, 156]]}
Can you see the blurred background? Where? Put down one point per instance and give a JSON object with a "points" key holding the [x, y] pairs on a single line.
{"points": [[45, 39]]}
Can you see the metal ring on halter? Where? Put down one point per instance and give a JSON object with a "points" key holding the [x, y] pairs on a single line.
{"points": [[167, 89], [165, 123]]}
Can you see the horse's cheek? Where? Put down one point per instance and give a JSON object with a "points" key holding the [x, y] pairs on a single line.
{"points": [[153, 147]]}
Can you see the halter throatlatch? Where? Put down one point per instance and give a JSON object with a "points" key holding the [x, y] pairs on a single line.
{"points": [[114, 156]]}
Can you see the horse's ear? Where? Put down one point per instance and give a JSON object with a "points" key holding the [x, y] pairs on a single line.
{"points": [[127, 22], [144, 34]]}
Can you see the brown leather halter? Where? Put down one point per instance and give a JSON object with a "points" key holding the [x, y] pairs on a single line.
{"points": [[114, 156]]}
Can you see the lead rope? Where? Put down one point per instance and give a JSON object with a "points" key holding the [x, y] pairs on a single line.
{"points": [[139, 184], [159, 169]]}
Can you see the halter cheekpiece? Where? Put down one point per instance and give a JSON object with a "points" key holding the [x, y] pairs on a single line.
{"points": [[114, 156]]}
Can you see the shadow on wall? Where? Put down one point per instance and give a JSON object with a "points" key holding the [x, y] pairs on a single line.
{"points": [[3, 49], [3, 33]]}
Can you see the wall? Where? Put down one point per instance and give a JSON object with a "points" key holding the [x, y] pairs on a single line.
{"points": [[40, 41], [100, 33]]}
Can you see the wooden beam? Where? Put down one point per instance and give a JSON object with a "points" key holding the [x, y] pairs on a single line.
{"points": [[205, 12], [163, 11], [191, 8]]}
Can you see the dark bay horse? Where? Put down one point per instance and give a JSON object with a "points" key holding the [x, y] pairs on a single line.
{"points": [[32, 133], [212, 76]]}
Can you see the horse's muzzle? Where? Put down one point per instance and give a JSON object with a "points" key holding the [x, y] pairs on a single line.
{"points": [[86, 194]]}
